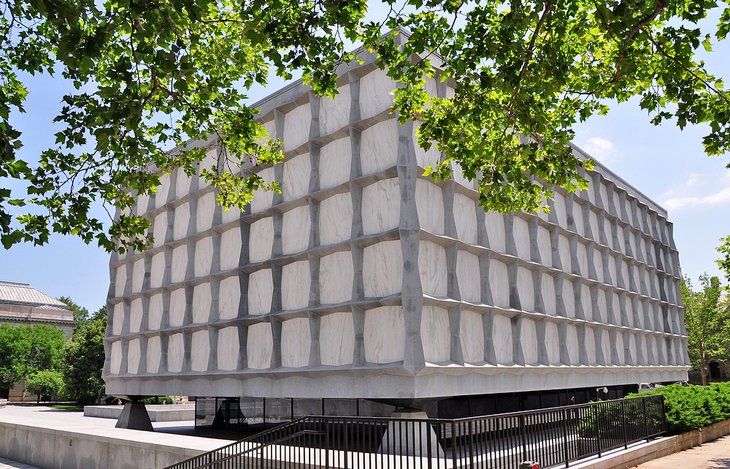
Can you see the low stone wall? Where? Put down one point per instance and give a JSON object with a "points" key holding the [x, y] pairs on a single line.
{"points": [[658, 448], [59, 449], [3, 403], [157, 413]]}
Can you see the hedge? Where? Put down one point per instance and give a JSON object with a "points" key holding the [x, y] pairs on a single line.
{"points": [[693, 407]]}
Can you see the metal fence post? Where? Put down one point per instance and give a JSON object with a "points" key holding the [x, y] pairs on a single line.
{"points": [[523, 437], [596, 428], [646, 419], [453, 443], [623, 420], [565, 437]]}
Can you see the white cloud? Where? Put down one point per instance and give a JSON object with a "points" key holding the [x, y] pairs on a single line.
{"points": [[601, 149], [717, 198]]}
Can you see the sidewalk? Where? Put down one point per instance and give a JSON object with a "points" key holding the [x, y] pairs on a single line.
{"points": [[8, 464], [712, 455]]}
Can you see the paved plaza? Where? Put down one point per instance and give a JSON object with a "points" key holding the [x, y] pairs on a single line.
{"points": [[712, 455]]}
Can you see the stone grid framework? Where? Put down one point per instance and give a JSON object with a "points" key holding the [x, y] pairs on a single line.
{"points": [[365, 279]]}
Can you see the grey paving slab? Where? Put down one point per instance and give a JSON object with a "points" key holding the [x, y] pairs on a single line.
{"points": [[712, 455], [8, 464]]}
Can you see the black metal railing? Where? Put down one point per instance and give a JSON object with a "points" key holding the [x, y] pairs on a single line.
{"points": [[552, 437]]}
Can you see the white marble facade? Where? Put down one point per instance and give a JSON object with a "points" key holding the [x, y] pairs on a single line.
{"points": [[365, 279]]}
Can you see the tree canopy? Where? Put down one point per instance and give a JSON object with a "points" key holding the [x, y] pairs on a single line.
{"points": [[84, 358], [707, 319], [25, 350], [150, 75]]}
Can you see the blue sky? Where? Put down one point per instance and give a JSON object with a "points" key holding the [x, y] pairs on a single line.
{"points": [[666, 164]]}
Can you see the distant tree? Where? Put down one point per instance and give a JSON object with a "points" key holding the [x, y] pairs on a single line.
{"points": [[25, 350], [80, 313], [48, 383], [84, 358], [706, 317], [724, 261]]}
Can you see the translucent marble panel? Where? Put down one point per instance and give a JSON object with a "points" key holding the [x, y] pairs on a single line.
{"points": [[229, 297], [118, 319], [138, 276], [262, 199], [296, 126], [203, 256], [585, 299], [384, 334], [552, 343], [295, 285], [598, 265], [606, 346], [564, 252], [296, 227], [154, 315], [260, 291], [334, 113], [521, 233], [296, 177], [379, 212], [233, 213], [593, 221], [335, 219], [548, 294], [571, 343], [608, 234], [157, 270], [435, 334], [377, 86], [612, 269], [494, 222], [201, 303], [335, 160], [179, 264], [590, 342], [379, 147], [154, 352], [582, 258], [528, 341], [335, 277], [205, 211], [142, 204], [228, 348], [578, 218], [382, 269], [181, 221], [424, 158], [178, 305], [163, 191], [465, 218], [336, 339], [544, 246], [120, 280], [469, 277], [260, 240], [135, 315], [259, 345], [116, 358], [560, 210], [430, 206], [199, 351], [432, 269], [230, 250], [210, 162], [502, 339], [601, 315], [471, 336], [621, 356], [175, 353], [295, 343], [499, 283], [526, 289], [569, 298], [159, 229]]}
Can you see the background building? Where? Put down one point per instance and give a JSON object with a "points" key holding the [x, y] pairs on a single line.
{"points": [[21, 304], [366, 280]]}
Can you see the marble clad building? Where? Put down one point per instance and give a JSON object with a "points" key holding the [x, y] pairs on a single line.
{"points": [[364, 279]]}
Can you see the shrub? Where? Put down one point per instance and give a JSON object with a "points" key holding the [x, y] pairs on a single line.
{"points": [[45, 383], [693, 407], [157, 400]]}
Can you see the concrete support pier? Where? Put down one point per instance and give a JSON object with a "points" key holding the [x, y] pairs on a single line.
{"points": [[135, 417], [411, 438]]}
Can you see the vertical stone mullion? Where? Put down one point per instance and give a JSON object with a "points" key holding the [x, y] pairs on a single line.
{"points": [[490, 356], [517, 352], [242, 329], [314, 348], [455, 349], [213, 346], [542, 354], [358, 324], [276, 340]]}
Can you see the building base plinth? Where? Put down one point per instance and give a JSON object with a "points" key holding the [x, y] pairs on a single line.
{"points": [[415, 438], [135, 417]]}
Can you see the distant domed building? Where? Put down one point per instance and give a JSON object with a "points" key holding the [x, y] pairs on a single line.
{"points": [[23, 305]]}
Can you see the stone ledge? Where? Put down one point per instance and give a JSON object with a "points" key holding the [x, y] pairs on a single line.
{"points": [[3, 403], [157, 413], [658, 448]]}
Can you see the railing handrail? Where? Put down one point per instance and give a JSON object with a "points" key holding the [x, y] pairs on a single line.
{"points": [[289, 431]]}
